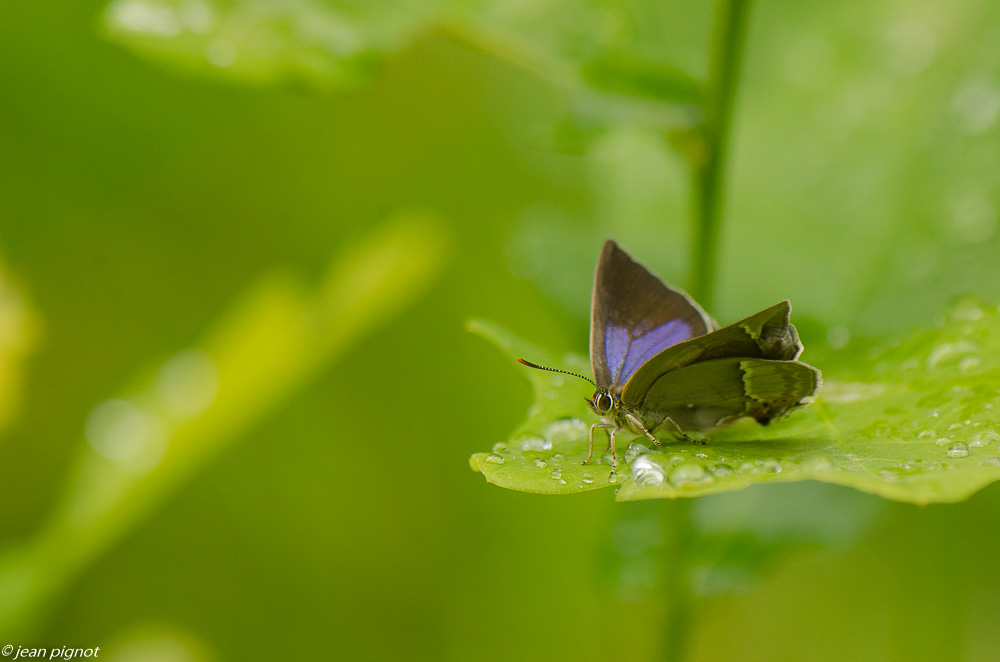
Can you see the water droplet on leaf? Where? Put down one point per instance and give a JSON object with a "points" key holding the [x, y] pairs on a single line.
{"points": [[771, 466], [958, 450], [647, 473], [689, 473], [535, 443], [634, 451], [722, 470]]}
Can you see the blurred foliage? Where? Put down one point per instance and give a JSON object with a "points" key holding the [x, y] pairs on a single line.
{"points": [[181, 413], [140, 202], [267, 41], [914, 422], [18, 336]]}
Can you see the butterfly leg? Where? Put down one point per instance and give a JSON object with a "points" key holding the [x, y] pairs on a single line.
{"points": [[637, 424], [697, 442], [611, 439]]}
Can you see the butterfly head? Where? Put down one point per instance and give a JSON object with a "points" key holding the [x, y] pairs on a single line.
{"points": [[602, 401]]}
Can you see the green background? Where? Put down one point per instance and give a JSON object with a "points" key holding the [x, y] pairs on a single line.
{"points": [[139, 199]]}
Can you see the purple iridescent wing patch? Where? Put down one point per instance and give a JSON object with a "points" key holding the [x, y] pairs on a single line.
{"points": [[634, 317], [626, 350]]}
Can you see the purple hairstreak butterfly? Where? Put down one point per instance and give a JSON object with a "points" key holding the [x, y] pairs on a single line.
{"points": [[661, 363]]}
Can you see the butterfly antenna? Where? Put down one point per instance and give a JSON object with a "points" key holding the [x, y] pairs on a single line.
{"points": [[565, 372]]}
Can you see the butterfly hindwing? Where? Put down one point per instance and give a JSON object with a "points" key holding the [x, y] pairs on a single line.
{"points": [[767, 335], [635, 316], [710, 394]]}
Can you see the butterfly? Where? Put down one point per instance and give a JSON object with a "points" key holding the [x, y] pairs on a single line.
{"points": [[660, 361]]}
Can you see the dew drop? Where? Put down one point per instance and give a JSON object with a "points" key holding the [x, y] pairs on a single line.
{"points": [[771, 466], [541, 464], [613, 478], [701, 456], [500, 448], [587, 478], [942, 441], [647, 473], [494, 459], [557, 474], [689, 473], [722, 470], [958, 450], [634, 451], [562, 481], [926, 433], [535, 443]]}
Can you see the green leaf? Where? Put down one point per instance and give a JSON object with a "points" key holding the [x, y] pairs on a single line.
{"points": [[918, 421]]}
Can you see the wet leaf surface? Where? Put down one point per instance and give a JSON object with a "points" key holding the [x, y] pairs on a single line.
{"points": [[917, 421]]}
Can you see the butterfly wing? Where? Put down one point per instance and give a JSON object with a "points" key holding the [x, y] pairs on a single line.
{"points": [[711, 394], [635, 316], [767, 335]]}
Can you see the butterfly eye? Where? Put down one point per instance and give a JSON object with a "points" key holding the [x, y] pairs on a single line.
{"points": [[603, 402]]}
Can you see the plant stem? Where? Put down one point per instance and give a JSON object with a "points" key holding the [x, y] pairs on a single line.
{"points": [[677, 579], [708, 164]]}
